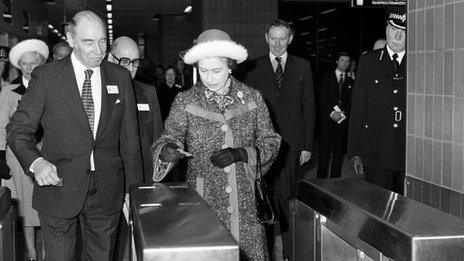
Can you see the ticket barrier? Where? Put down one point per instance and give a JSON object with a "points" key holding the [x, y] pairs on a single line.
{"points": [[170, 221], [350, 219]]}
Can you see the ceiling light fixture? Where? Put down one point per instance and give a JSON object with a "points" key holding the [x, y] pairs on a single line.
{"points": [[188, 9], [328, 11], [109, 7], [110, 21]]}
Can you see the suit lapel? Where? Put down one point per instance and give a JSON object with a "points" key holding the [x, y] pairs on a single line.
{"points": [[108, 100], [270, 71], [70, 92]]}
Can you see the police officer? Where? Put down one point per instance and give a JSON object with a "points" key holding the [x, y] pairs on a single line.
{"points": [[377, 129]]}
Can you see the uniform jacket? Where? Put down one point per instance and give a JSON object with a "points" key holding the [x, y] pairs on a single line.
{"points": [[292, 105], [329, 96], [196, 124], [374, 133], [150, 123], [53, 100]]}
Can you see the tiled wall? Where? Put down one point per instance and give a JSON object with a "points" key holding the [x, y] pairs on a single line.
{"points": [[435, 62], [244, 20]]}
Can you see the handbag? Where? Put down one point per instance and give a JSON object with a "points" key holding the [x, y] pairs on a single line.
{"points": [[264, 204]]}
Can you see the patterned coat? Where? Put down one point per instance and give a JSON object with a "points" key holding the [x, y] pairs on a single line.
{"points": [[197, 125]]}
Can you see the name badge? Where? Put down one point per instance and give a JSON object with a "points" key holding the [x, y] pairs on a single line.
{"points": [[112, 89], [143, 107]]}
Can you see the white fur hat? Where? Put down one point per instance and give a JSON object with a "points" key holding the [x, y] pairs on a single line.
{"points": [[214, 42], [30, 45]]}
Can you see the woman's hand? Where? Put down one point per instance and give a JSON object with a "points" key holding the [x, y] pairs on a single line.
{"points": [[225, 157], [170, 153]]}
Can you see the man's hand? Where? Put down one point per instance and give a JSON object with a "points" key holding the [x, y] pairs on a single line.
{"points": [[45, 173], [357, 166], [336, 116], [305, 156]]}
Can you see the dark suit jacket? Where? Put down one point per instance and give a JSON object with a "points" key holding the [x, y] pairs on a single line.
{"points": [[373, 133], [329, 96], [291, 106], [150, 123], [53, 100]]}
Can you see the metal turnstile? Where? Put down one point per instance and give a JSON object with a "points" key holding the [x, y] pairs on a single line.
{"points": [[350, 219], [170, 221]]}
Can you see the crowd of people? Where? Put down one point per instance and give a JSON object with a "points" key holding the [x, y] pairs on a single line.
{"points": [[78, 130]]}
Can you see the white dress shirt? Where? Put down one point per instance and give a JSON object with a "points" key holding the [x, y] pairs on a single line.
{"points": [[400, 54], [282, 62], [79, 70]]}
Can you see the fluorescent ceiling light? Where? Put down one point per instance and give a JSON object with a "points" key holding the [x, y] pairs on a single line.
{"points": [[109, 8], [305, 18], [328, 11]]}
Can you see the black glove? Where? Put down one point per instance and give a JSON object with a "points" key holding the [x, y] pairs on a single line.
{"points": [[4, 169], [357, 166], [170, 153], [225, 157]]}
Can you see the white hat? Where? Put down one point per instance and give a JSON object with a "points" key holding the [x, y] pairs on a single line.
{"points": [[30, 45], [214, 42]]}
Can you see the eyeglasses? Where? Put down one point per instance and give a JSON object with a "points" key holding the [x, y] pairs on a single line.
{"points": [[124, 61]]}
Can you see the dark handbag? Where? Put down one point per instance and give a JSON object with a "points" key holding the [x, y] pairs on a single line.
{"points": [[264, 204]]}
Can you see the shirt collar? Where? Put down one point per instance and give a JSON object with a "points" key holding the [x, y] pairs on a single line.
{"points": [[25, 81], [283, 56], [400, 54], [338, 72], [79, 67]]}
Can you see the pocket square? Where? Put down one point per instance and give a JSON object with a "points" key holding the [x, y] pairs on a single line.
{"points": [[117, 101]]}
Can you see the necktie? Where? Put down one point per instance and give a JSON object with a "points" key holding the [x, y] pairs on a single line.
{"points": [[341, 80], [86, 97], [279, 73], [396, 64]]}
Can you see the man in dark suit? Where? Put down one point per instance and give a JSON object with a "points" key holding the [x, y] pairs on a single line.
{"points": [[90, 152], [335, 103], [286, 83], [125, 52], [377, 129]]}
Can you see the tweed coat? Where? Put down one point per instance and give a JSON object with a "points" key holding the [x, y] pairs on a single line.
{"points": [[197, 125]]}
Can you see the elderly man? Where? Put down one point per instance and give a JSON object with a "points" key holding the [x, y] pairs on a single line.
{"points": [[377, 129], [286, 83], [125, 52], [90, 149], [61, 50]]}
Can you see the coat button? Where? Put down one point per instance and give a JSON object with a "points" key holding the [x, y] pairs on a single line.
{"points": [[395, 91], [225, 146], [224, 127], [228, 189], [395, 108], [395, 125], [227, 169], [230, 209]]}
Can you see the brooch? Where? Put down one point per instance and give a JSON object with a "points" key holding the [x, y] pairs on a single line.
{"points": [[240, 95]]}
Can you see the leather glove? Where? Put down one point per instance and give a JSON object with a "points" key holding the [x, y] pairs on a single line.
{"points": [[357, 166], [4, 169], [170, 153], [225, 157]]}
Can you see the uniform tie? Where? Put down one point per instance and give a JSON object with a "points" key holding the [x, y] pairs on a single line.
{"points": [[87, 99], [396, 64], [279, 73]]}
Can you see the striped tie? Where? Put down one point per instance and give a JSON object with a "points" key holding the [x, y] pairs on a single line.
{"points": [[279, 73], [87, 99]]}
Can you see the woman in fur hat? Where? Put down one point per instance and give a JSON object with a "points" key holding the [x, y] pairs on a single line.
{"points": [[224, 124], [25, 56]]}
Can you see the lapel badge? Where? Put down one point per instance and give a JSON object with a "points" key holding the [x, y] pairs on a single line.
{"points": [[112, 89]]}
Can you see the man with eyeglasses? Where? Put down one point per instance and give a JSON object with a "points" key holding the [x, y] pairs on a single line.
{"points": [[125, 52]]}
